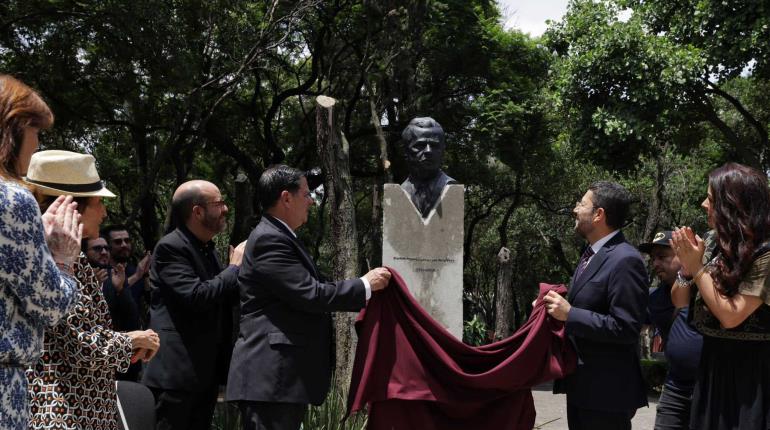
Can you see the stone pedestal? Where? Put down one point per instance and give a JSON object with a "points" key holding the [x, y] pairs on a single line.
{"points": [[428, 253]]}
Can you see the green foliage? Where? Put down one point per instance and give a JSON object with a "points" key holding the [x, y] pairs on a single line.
{"points": [[475, 332], [329, 415], [226, 417], [653, 97], [654, 373]]}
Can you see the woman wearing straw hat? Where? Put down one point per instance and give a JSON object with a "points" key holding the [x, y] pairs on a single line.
{"points": [[36, 287], [81, 354]]}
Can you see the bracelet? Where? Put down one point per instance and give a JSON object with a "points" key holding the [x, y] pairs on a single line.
{"points": [[682, 281], [64, 267], [700, 273]]}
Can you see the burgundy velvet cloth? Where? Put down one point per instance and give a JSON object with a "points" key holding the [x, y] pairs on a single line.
{"points": [[412, 374]]}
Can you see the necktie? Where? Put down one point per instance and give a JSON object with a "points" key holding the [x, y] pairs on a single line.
{"points": [[587, 254]]}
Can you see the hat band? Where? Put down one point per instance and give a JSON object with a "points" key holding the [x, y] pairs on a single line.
{"points": [[72, 188]]}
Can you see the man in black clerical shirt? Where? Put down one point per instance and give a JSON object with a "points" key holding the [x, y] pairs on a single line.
{"points": [[191, 309]]}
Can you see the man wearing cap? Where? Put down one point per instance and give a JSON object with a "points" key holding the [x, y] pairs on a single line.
{"points": [[191, 301], [682, 343]]}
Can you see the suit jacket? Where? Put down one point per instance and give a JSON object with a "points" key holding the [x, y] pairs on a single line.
{"points": [[609, 302], [284, 344], [191, 303]]}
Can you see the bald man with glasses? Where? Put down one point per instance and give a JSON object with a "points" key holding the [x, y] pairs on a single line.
{"points": [[191, 304]]}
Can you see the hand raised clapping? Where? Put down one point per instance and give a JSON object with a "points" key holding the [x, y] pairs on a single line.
{"points": [[689, 248], [63, 231]]}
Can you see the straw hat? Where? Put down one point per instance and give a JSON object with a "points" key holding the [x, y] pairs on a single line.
{"points": [[55, 173]]}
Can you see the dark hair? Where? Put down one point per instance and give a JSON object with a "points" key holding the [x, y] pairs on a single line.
{"points": [[108, 229], [741, 208], [422, 125], [275, 180], [614, 199], [44, 200], [20, 107], [182, 205]]}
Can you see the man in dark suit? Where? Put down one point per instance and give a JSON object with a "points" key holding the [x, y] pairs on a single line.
{"points": [[191, 309], [281, 361], [604, 312]]}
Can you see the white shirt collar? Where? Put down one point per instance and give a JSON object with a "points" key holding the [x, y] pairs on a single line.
{"points": [[287, 226], [599, 243]]}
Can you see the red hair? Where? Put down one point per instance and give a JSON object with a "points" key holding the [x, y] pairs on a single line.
{"points": [[20, 107]]}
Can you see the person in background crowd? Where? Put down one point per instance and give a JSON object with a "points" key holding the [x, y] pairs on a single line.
{"points": [[122, 307], [281, 361], [81, 353], [604, 311], [123, 310], [191, 306], [36, 284], [731, 293], [682, 342], [121, 253]]}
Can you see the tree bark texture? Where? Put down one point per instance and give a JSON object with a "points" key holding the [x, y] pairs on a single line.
{"points": [[656, 199], [243, 219], [504, 295], [333, 152]]}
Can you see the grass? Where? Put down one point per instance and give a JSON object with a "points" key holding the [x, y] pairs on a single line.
{"points": [[328, 416]]}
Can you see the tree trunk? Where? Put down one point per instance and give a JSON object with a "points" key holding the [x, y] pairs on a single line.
{"points": [[656, 199], [148, 218], [333, 151], [384, 176], [504, 295], [645, 342], [244, 210], [376, 237]]}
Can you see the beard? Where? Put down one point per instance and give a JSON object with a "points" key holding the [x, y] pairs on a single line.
{"points": [[582, 228], [214, 223], [122, 255]]}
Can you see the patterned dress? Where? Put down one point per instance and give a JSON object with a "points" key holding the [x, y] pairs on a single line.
{"points": [[72, 385], [33, 296]]}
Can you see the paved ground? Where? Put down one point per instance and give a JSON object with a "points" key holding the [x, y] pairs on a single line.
{"points": [[552, 411]]}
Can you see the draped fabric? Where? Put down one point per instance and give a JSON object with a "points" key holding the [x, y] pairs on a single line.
{"points": [[413, 374]]}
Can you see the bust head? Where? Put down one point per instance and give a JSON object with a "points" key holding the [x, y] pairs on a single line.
{"points": [[424, 147]]}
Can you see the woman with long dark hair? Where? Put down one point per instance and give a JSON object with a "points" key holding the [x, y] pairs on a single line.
{"points": [[731, 287]]}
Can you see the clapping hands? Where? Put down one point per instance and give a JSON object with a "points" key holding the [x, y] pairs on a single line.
{"points": [[689, 248], [63, 231]]}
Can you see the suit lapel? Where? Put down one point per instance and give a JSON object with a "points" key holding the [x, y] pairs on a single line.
{"points": [[593, 266], [304, 254], [199, 264]]}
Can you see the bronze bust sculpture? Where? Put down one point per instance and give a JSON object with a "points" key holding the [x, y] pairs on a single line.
{"points": [[424, 147]]}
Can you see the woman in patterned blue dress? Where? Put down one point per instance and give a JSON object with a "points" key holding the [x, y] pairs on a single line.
{"points": [[72, 385], [36, 284]]}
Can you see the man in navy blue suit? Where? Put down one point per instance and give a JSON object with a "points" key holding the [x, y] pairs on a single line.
{"points": [[604, 312]]}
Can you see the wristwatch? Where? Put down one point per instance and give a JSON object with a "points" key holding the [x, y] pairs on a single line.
{"points": [[682, 281]]}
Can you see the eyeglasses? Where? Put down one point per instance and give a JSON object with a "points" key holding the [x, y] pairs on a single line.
{"points": [[579, 204], [217, 203], [119, 240], [99, 248]]}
